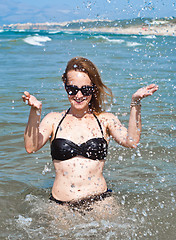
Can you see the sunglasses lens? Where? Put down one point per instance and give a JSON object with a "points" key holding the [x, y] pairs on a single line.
{"points": [[87, 90], [73, 90]]}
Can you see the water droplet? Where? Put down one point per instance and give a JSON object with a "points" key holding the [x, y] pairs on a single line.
{"points": [[38, 112], [144, 213], [173, 127], [135, 210], [120, 158], [161, 205], [46, 169]]}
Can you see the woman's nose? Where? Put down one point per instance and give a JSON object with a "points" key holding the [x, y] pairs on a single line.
{"points": [[79, 94]]}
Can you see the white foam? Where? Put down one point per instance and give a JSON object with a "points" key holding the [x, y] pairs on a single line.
{"points": [[37, 40], [116, 40], [101, 37], [133, 44], [30, 197], [1, 30], [54, 32], [149, 36], [24, 221], [69, 32], [19, 30], [150, 44], [110, 40]]}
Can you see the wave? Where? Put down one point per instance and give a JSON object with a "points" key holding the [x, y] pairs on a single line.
{"points": [[149, 36], [59, 32], [133, 44], [104, 38], [19, 30], [37, 40], [54, 32], [116, 40]]}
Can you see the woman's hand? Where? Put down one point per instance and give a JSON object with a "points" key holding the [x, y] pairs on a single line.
{"points": [[31, 100], [144, 92]]}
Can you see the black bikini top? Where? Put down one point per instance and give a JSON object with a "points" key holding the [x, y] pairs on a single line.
{"points": [[64, 149]]}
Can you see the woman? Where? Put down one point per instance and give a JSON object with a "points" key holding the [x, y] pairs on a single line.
{"points": [[80, 135]]}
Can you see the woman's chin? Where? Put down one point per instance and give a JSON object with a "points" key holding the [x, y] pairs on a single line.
{"points": [[79, 105]]}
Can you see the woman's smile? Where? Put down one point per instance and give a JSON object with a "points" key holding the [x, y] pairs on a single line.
{"points": [[80, 100]]}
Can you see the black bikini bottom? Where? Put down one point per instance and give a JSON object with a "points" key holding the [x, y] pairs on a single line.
{"points": [[85, 203]]}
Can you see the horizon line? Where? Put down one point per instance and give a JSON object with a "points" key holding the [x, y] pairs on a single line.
{"points": [[89, 20]]}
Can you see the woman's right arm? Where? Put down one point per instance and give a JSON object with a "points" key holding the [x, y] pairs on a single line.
{"points": [[36, 134]]}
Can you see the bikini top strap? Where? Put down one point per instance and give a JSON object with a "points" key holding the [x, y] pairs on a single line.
{"points": [[61, 122], [99, 124]]}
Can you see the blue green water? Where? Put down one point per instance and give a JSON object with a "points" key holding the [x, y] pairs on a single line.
{"points": [[143, 179]]}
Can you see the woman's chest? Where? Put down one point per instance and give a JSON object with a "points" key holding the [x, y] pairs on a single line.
{"points": [[80, 131]]}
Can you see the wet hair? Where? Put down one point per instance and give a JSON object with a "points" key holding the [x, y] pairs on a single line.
{"points": [[101, 93]]}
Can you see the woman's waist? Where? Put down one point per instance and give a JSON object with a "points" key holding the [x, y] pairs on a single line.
{"points": [[74, 189], [77, 179], [84, 200]]}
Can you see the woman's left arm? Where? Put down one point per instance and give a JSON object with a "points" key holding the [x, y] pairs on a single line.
{"points": [[134, 126], [130, 137]]}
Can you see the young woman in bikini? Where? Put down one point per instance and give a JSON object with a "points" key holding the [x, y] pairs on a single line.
{"points": [[80, 135]]}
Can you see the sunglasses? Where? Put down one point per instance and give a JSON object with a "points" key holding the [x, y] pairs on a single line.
{"points": [[73, 90]]}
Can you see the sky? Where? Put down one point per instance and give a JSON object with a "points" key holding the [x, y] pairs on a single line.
{"points": [[23, 11]]}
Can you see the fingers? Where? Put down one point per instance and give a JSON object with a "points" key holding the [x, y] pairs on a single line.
{"points": [[152, 88], [31, 100], [26, 96], [145, 92]]}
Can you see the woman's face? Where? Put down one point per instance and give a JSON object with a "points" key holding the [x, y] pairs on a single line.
{"points": [[79, 79]]}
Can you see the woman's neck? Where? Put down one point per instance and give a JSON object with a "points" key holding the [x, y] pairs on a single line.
{"points": [[79, 113]]}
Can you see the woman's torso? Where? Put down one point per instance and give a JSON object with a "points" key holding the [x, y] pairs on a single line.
{"points": [[79, 176]]}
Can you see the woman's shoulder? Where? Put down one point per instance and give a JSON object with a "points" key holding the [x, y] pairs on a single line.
{"points": [[106, 116], [110, 120], [54, 116]]}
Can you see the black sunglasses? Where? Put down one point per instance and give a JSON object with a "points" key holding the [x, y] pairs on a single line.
{"points": [[73, 90]]}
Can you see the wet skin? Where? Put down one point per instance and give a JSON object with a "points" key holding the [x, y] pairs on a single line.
{"points": [[80, 177]]}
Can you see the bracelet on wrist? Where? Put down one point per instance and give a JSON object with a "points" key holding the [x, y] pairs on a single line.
{"points": [[135, 103]]}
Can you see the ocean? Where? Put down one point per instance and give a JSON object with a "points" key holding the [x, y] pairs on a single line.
{"points": [[143, 180]]}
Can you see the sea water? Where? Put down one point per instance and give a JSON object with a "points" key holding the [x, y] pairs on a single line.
{"points": [[143, 180]]}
